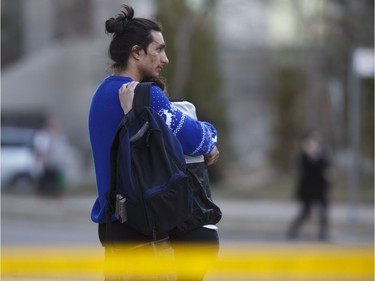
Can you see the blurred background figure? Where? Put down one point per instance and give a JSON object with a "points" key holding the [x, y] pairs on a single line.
{"points": [[50, 147], [314, 179]]}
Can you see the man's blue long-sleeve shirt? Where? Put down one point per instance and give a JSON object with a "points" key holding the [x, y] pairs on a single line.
{"points": [[196, 137]]}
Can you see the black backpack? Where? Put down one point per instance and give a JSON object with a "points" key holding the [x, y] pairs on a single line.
{"points": [[149, 189]]}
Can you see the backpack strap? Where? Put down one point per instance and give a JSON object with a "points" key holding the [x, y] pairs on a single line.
{"points": [[141, 99], [142, 96], [114, 158]]}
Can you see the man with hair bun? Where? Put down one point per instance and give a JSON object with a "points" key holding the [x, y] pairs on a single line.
{"points": [[137, 50]]}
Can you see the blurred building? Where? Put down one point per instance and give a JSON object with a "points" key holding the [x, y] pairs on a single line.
{"points": [[57, 57], [64, 57]]}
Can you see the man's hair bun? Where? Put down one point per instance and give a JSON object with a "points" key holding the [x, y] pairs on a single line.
{"points": [[126, 32], [117, 25]]}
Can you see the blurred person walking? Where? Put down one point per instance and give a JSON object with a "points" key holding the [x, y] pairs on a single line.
{"points": [[138, 53], [50, 147], [314, 179]]}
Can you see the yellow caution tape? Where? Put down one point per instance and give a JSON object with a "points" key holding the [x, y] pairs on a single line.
{"points": [[279, 261]]}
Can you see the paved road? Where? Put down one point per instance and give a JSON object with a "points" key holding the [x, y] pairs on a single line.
{"points": [[34, 220]]}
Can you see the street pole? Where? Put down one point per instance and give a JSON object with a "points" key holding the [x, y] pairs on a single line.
{"points": [[354, 141], [361, 66]]}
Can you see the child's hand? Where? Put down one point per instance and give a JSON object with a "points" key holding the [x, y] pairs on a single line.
{"points": [[212, 157]]}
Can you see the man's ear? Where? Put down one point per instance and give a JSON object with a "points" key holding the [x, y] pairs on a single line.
{"points": [[136, 52]]}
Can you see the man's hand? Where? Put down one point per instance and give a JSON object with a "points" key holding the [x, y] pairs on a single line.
{"points": [[126, 95]]}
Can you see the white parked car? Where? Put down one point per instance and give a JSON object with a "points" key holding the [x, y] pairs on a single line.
{"points": [[19, 166]]}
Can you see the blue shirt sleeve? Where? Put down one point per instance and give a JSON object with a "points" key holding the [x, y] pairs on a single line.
{"points": [[196, 137]]}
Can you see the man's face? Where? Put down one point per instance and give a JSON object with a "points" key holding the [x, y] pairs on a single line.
{"points": [[156, 58]]}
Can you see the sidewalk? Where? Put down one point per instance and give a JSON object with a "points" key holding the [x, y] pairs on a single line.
{"points": [[264, 220], [67, 220]]}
